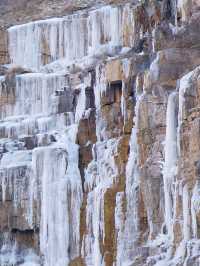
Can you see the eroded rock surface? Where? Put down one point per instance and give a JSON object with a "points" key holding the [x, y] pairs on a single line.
{"points": [[99, 133]]}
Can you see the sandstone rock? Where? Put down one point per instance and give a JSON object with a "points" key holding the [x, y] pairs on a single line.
{"points": [[172, 64], [120, 92], [3, 46], [168, 36]]}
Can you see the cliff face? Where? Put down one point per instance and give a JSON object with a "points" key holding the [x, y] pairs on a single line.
{"points": [[100, 133]]}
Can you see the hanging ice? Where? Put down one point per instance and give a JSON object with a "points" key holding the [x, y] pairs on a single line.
{"points": [[169, 170], [130, 233], [33, 94], [71, 37], [99, 175], [56, 169]]}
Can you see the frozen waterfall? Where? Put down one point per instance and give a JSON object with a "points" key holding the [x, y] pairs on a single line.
{"points": [[170, 163], [71, 37], [41, 114]]}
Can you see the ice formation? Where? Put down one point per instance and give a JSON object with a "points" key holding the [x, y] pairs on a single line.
{"points": [[170, 164], [51, 168], [60, 75], [131, 226], [71, 37]]}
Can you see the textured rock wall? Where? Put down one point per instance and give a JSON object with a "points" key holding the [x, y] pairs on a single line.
{"points": [[100, 150]]}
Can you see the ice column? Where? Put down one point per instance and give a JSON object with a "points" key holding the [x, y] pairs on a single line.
{"points": [[132, 183], [56, 170], [170, 168], [99, 176], [72, 37]]}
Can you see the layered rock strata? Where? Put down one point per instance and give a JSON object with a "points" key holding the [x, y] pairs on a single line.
{"points": [[99, 137]]}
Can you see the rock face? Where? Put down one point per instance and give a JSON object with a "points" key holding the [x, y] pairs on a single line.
{"points": [[99, 133]]}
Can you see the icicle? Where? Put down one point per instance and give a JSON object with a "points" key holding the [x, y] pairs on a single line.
{"points": [[169, 170], [72, 37], [186, 214], [49, 39], [33, 94], [99, 176], [119, 226], [126, 64], [99, 89], [195, 207], [81, 104], [131, 223], [123, 103], [56, 168], [54, 236], [104, 28]]}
